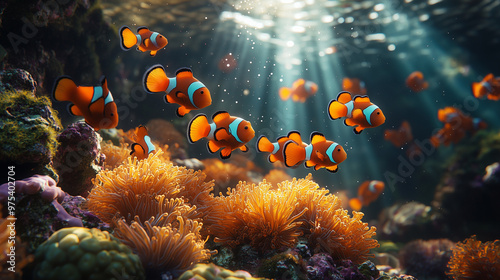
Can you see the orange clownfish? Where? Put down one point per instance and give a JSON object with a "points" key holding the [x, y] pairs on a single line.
{"points": [[359, 112], [416, 82], [320, 153], [276, 149], [226, 132], [456, 125], [144, 146], [145, 40], [300, 91], [489, 87], [94, 103], [183, 89], [368, 192], [399, 137], [354, 86]]}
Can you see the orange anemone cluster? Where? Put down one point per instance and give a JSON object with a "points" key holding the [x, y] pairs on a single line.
{"points": [[156, 209], [474, 260], [225, 175], [274, 217]]}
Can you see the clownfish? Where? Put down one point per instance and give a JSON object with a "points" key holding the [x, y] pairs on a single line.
{"points": [[399, 137], [489, 87], [354, 86], [368, 192], [300, 91], [94, 103], [226, 132], [144, 146], [320, 153], [183, 89], [359, 112], [276, 149], [145, 40], [416, 82], [456, 125]]}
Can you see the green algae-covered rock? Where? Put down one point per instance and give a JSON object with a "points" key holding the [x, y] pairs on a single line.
{"points": [[82, 253], [29, 126]]}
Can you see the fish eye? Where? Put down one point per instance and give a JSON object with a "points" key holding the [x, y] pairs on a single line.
{"points": [[338, 150], [378, 113], [112, 114], [246, 127], [201, 92]]}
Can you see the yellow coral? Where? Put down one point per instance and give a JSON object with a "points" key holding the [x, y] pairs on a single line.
{"points": [[167, 248], [268, 217], [473, 260]]}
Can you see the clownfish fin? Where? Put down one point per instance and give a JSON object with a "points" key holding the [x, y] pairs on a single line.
{"points": [[349, 122], [362, 99], [332, 168], [336, 110], [293, 154], [142, 30], [212, 147], [272, 158], [225, 153], [155, 79], [358, 129], [357, 114], [220, 115], [141, 48], [221, 134], [295, 98], [147, 43], [182, 111], [295, 136], [127, 38], [138, 151], [244, 148], [317, 137], [180, 94], [198, 128], [184, 72], [264, 145], [168, 99], [344, 97], [64, 89], [73, 110], [153, 53], [317, 167], [309, 164], [285, 93], [355, 204]]}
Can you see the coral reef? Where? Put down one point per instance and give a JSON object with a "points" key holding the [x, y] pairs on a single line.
{"points": [[273, 218], [461, 185], [82, 253], [78, 158], [213, 272], [276, 176], [114, 154], [426, 259], [474, 260], [29, 127], [225, 175]]}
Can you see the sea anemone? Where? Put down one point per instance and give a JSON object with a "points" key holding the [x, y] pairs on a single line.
{"points": [[124, 190], [225, 175], [276, 176], [272, 217], [475, 260], [115, 155], [164, 248]]}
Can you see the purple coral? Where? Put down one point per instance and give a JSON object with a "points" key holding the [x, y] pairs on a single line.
{"points": [[426, 259]]}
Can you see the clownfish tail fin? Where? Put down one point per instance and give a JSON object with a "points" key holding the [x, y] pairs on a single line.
{"points": [[64, 89], [198, 128], [155, 79], [293, 154], [127, 38], [285, 93], [355, 204], [264, 145]]}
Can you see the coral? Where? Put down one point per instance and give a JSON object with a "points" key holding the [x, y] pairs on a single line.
{"points": [[82, 253], [166, 248], [472, 259], [225, 175], [321, 266], [78, 158], [426, 259], [282, 266], [29, 127], [213, 272], [165, 133], [118, 191], [268, 218]]}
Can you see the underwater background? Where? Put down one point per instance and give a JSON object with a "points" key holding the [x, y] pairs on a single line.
{"points": [[245, 52]]}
